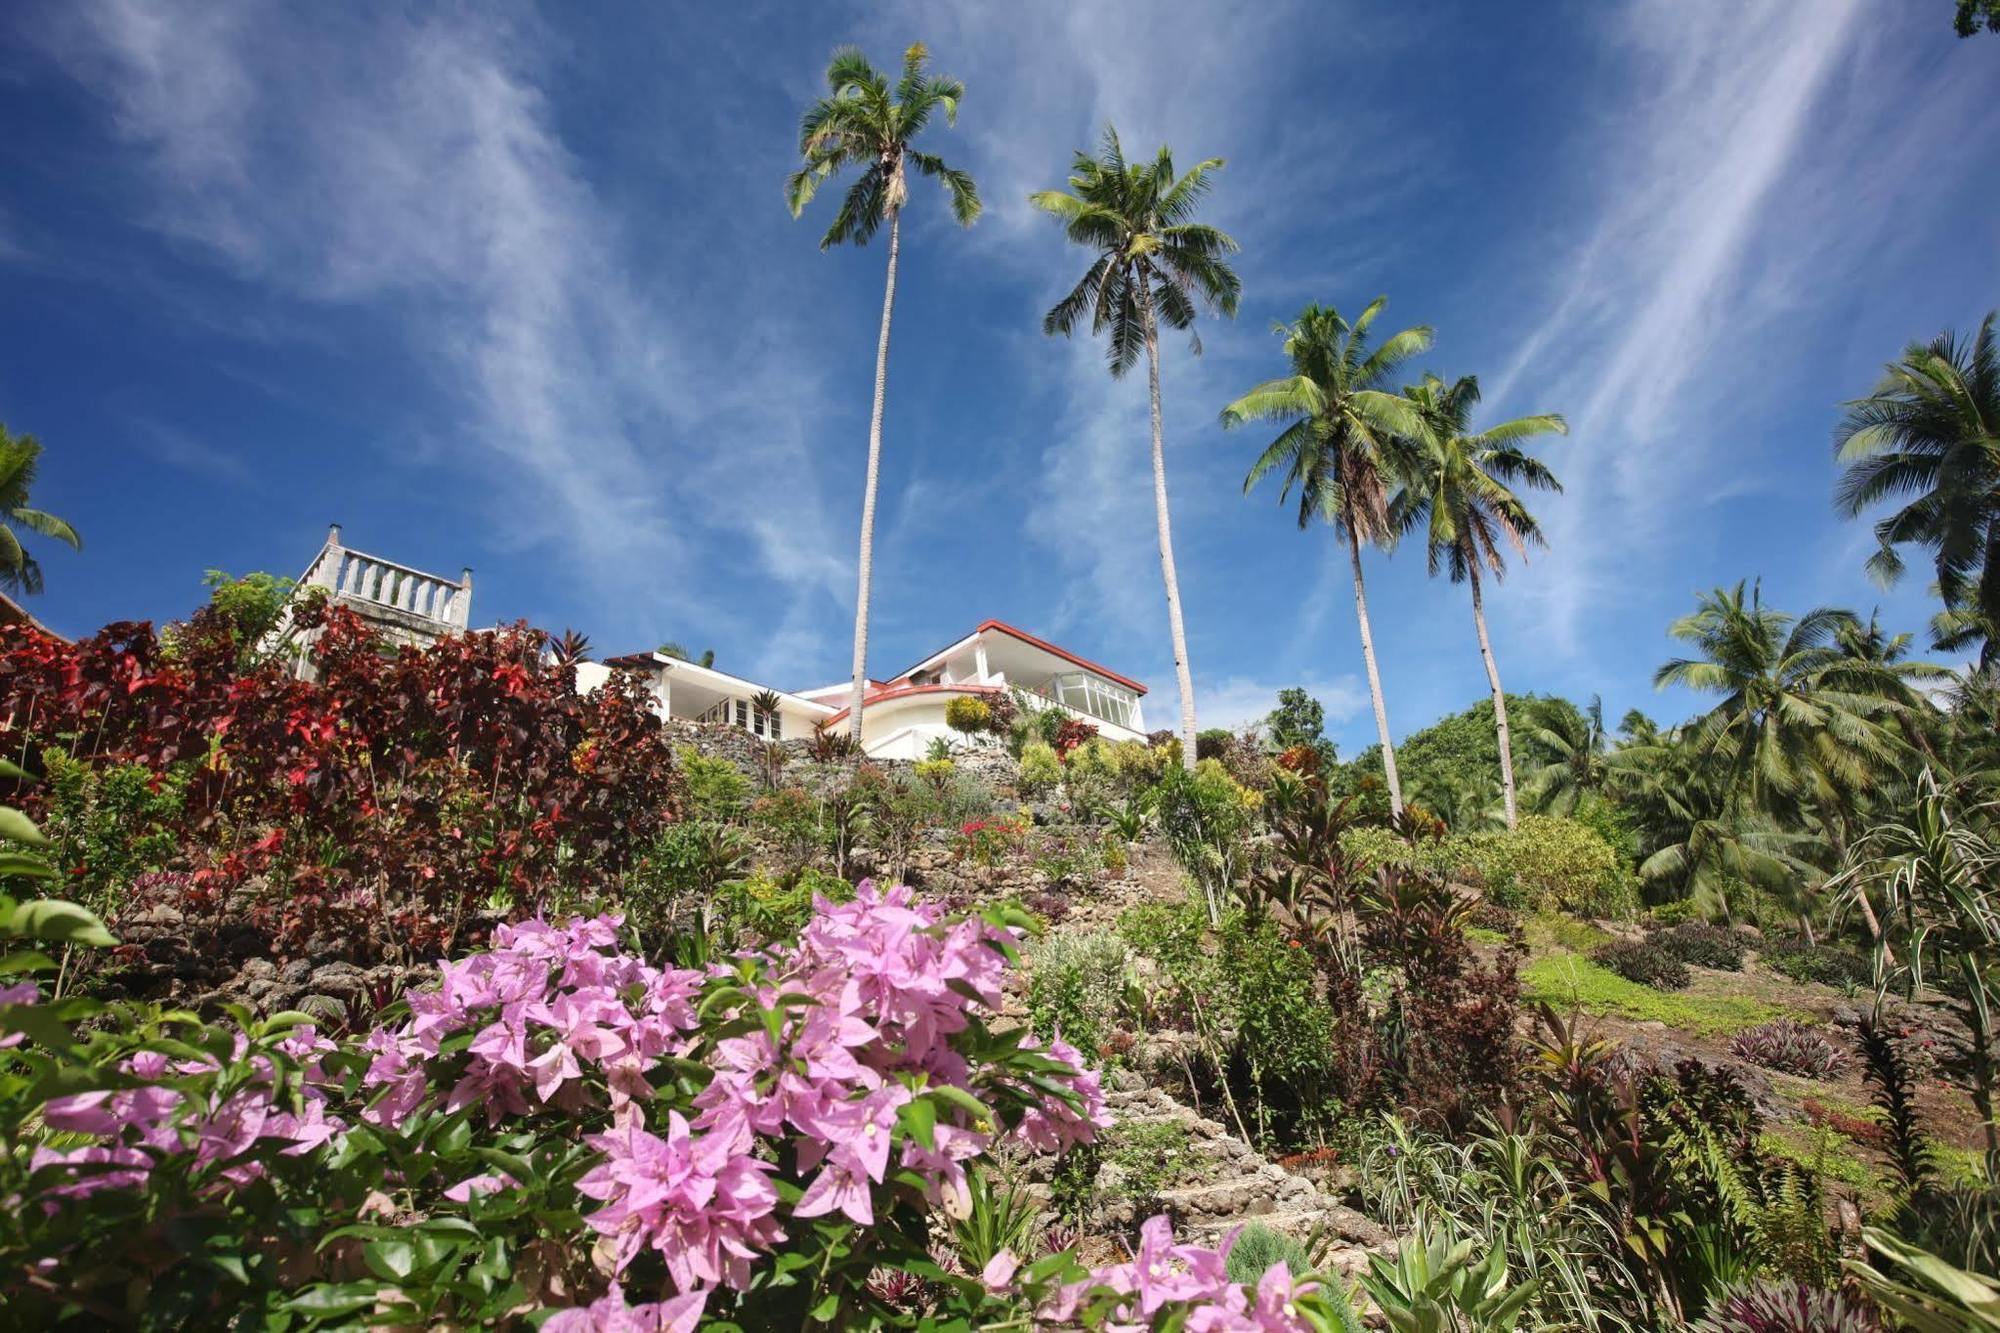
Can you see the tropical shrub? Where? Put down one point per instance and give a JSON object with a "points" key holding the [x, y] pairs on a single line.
{"points": [[250, 606], [1645, 963], [1071, 860], [377, 804], [1701, 944], [683, 869], [1077, 984], [1674, 912], [1207, 817], [1826, 964], [789, 823], [1373, 846], [1764, 1306], [1547, 862], [936, 771], [108, 825], [716, 788], [968, 715], [766, 908], [990, 841], [1041, 769], [1250, 994], [1790, 1048], [1258, 1247], [1070, 732], [1446, 1050]]}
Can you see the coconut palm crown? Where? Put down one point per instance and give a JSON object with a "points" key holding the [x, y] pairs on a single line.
{"points": [[20, 456], [864, 123], [1929, 435], [1153, 260], [1459, 487]]}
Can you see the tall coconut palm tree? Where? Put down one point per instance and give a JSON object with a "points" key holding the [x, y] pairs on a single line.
{"points": [[1460, 487], [1341, 448], [864, 123], [1929, 433], [20, 572], [1573, 741], [1153, 265], [1805, 727]]}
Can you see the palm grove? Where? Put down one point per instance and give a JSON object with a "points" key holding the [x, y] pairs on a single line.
{"points": [[1821, 723]]}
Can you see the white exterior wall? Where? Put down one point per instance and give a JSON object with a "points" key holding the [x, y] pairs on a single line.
{"points": [[904, 728]]}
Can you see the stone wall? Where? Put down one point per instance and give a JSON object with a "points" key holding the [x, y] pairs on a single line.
{"points": [[745, 750]]}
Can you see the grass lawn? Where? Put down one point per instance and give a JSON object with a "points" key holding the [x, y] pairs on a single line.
{"points": [[1565, 980]]}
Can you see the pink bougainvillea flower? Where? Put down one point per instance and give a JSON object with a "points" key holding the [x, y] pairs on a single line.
{"points": [[21, 992], [998, 1275], [706, 1209], [490, 1183], [610, 1314], [838, 1186]]}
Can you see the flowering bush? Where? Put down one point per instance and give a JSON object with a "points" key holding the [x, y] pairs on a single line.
{"points": [[990, 840], [561, 1123], [375, 804]]}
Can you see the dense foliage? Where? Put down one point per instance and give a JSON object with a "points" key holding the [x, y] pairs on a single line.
{"points": [[387, 802]]}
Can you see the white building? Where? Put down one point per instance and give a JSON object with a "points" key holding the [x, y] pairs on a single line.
{"points": [[403, 604], [903, 714], [900, 716], [697, 693]]}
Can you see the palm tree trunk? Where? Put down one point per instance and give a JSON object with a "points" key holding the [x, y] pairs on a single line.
{"points": [[868, 492], [1499, 696], [1182, 675], [1374, 677], [1837, 829]]}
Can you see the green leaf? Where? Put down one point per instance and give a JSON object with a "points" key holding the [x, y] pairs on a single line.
{"points": [[391, 1260], [17, 827], [60, 922], [333, 1299], [919, 1118]]}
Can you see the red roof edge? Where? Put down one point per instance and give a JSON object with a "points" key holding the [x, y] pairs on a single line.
{"points": [[1063, 653]]}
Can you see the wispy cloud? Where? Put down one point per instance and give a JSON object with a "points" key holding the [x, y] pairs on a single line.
{"points": [[1236, 702], [1729, 191], [177, 448], [414, 166]]}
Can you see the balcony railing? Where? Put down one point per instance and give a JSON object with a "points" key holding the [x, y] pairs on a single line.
{"points": [[356, 576]]}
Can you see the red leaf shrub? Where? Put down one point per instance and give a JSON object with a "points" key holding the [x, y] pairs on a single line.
{"points": [[1073, 732], [377, 806]]}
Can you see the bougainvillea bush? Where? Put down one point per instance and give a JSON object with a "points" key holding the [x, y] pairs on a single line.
{"points": [[560, 1126], [381, 805]]}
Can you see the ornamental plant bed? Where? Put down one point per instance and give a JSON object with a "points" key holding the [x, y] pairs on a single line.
{"points": [[376, 808], [559, 1125]]}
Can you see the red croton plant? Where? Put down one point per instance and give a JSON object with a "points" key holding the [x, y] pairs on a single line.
{"points": [[380, 805]]}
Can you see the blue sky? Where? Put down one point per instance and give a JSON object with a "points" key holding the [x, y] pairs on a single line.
{"points": [[515, 288]]}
